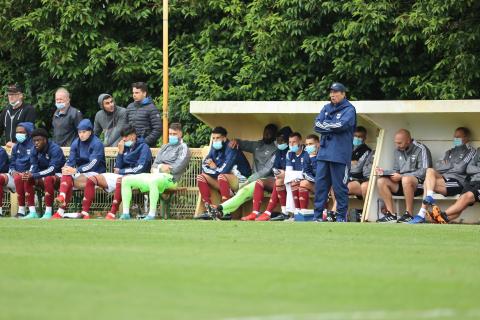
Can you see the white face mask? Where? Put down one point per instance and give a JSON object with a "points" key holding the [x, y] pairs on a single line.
{"points": [[15, 103]]}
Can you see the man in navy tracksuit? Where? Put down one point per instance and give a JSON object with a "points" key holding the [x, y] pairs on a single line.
{"points": [[47, 160], [20, 164], [86, 159], [223, 169], [336, 123]]}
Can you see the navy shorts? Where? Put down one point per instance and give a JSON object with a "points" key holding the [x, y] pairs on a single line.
{"points": [[454, 187]]}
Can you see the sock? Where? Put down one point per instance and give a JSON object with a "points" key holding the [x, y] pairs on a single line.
{"points": [[84, 213], [272, 203], [62, 194], [61, 211], [429, 193], [303, 198], [268, 213], [282, 195], [29, 192], [21, 209], [204, 189], [49, 183], [224, 186], [257, 196], [66, 189], [117, 197], [1, 210], [284, 209], [48, 209], [19, 186], [151, 214], [89, 195], [32, 209], [422, 212]]}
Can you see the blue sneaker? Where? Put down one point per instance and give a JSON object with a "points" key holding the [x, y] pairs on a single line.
{"points": [[417, 219], [125, 216], [149, 217], [340, 218], [46, 216], [428, 200], [31, 215]]}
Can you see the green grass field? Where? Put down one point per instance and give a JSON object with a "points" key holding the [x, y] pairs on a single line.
{"points": [[232, 270]]}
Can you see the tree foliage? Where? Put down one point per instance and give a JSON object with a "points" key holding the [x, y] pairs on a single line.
{"points": [[240, 50]]}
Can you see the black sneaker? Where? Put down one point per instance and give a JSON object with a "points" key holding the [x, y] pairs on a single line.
{"points": [[226, 217], [280, 217], [388, 218], [331, 216], [203, 216], [406, 218], [216, 213]]}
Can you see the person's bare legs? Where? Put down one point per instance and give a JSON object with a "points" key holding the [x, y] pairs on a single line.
{"points": [[364, 189], [385, 189], [456, 209], [354, 188], [409, 184]]}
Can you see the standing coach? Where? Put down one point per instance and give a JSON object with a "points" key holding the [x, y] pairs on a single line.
{"points": [[336, 122]]}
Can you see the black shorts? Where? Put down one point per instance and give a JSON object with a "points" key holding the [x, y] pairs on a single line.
{"points": [[418, 191], [351, 179], [454, 186], [473, 187]]}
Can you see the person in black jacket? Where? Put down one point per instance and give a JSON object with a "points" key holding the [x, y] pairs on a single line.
{"points": [[17, 111], [143, 115]]}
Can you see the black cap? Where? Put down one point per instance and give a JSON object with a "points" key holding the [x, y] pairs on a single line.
{"points": [[337, 86], [15, 88], [40, 132]]}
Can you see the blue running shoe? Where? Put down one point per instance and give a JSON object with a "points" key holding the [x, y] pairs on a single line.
{"points": [[149, 217], [428, 200], [46, 216], [340, 218], [31, 215], [125, 216], [417, 219]]}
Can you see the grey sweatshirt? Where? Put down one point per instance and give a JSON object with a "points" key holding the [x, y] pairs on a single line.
{"points": [[367, 167], [473, 168], [177, 156], [65, 126], [356, 170], [455, 161], [413, 161], [110, 124], [263, 157]]}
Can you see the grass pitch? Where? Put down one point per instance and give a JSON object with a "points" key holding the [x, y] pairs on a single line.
{"points": [[232, 270]]}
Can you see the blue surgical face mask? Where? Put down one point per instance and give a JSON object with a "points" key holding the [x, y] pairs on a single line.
{"points": [[173, 140], [294, 148], [60, 105], [20, 137], [128, 143], [217, 145], [310, 149], [357, 141], [282, 146], [457, 142]]}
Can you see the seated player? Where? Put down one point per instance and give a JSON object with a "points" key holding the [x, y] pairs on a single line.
{"points": [[263, 152], [134, 157], [6, 180], [470, 194], [411, 160], [223, 169], [298, 162], [47, 160], [86, 159], [20, 165], [307, 185], [448, 177], [272, 183]]}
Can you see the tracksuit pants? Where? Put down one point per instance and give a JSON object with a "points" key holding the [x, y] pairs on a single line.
{"points": [[331, 174]]}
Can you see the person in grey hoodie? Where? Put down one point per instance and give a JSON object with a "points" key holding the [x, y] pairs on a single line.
{"points": [[448, 177], [143, 115], [411, 161], [110, 120], [173, 157]]}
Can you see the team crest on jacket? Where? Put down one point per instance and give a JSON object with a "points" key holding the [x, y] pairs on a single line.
{"points": [[339, 115]]}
